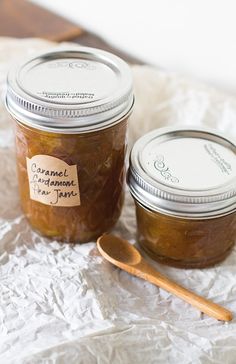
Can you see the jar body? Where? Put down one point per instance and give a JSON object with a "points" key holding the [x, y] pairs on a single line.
{"points": [[99, 159], [185, 243]]}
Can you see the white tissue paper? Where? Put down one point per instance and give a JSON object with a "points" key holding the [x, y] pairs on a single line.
{"points": [[65, 304]]}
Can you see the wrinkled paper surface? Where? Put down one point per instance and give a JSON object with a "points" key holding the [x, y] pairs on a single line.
{"points": [[65, 304]]}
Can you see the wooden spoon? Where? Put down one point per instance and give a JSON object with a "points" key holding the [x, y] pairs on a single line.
{"points": [[125, 256]]}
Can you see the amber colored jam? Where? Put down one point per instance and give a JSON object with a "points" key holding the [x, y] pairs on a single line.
{"points": [[99, 157], [186, 243]]}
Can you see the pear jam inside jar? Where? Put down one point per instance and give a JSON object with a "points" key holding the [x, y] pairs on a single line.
{"points": [[71, 109], [183, 182]]}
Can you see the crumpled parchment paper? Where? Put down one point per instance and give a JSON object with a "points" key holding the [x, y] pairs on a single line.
{"points": [[65, 304]]}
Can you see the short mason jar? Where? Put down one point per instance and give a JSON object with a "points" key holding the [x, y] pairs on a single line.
{"points": [[183, 181], [71, 109]]}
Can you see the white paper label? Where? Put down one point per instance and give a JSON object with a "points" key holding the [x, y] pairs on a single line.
{"points": [[52, 181]]}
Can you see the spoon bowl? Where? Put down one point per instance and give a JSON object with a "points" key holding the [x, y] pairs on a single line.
{"points": [[117, 249]]}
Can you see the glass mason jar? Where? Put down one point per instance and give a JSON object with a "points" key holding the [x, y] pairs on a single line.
{"points": [[71, 109], [183, 182]]}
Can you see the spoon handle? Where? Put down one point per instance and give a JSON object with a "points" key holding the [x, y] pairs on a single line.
{"points": [[147, 272]]}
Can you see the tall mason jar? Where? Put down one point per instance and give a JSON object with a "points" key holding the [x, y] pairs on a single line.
{"points": [[71, 109]]}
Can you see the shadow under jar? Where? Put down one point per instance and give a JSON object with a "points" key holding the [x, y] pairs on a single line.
{"points": [[183, 181], [71, 109]]}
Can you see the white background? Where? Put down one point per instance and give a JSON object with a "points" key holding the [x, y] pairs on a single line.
{"points": [[193, 37]]}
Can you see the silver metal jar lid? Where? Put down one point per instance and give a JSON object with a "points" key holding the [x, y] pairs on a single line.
{"points": [[184, 172], [70, 91]]}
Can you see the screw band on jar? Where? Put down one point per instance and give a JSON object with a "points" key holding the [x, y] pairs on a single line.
{"points": [[184, 172], [71, 90]]}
